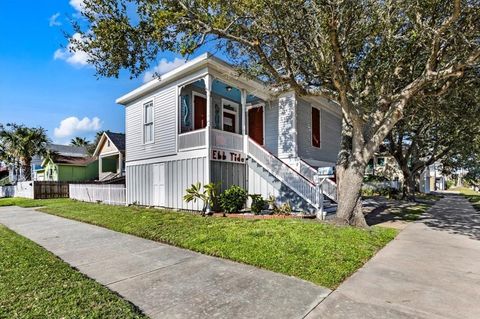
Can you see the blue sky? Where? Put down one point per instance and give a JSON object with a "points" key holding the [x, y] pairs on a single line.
{"points": [[41, 84]]}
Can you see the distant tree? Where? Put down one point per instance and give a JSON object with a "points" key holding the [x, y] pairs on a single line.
{"points": [[437, 129], [372, 57], [79, 141], [21, 143]]}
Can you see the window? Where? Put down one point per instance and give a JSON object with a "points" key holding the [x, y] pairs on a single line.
{"points": [[148, 122], [381, 161], [315, 127], [230, 115]]}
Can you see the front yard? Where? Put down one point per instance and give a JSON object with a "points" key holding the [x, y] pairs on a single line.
{"points": [[317, 252], [36, 284]]}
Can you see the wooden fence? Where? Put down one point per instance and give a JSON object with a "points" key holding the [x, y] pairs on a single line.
{"points": [[45, 190], [112, 194]]}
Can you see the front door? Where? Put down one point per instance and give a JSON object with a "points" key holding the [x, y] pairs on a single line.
{"points": [[158, 177], [255, 124], [200, 112]]}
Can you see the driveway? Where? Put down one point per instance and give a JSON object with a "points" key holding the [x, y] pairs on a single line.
{"points": [[431, 270], [165, 281]]}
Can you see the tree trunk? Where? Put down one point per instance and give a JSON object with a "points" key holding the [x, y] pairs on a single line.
{"points": [[349, 186], [27, 169], [408, 189]]}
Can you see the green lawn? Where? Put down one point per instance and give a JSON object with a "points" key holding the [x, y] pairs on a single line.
{"points": [[314, 251], [473, 196], [36, 284]]}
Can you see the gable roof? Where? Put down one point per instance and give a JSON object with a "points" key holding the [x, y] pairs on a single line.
{"points": [[68, 150], [118, 140], [70, 160]]}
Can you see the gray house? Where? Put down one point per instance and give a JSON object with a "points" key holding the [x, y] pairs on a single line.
{"points": [[202, 122]]}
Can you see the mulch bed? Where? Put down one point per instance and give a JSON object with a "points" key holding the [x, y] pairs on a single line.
{"points": [[253, 216]]}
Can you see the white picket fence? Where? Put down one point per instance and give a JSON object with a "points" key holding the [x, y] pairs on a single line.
{"points": [[21, 189], [110, 194]]}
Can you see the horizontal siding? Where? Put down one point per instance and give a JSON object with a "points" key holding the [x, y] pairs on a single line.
{"points": [[179, 175], [330, 134], [271, 127], [165, 133]]}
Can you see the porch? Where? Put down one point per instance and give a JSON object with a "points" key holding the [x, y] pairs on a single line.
{"points": [[214, 114]]}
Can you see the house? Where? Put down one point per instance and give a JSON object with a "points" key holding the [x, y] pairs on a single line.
{"points": [[61, 168], [385, 166], [110, 152], [432, 179], [58, 149], [202, 122]]}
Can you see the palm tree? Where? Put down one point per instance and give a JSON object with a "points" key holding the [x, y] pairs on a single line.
{"points": [[79, 141], [21, 143]]}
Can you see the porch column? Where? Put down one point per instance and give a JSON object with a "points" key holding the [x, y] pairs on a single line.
{"points": [[208, 88], [243, 99], [99, 167], [120, 163]]}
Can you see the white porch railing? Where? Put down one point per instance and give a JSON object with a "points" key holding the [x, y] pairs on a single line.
{"points": [[328, 186], [192, 140], [226, 140], [293, 179], [111, 194]]}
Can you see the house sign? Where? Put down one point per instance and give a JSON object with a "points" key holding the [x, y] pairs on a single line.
{"points": [[227, 156]]}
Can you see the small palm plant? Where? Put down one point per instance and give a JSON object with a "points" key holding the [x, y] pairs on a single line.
{"points": [[207, 196]]}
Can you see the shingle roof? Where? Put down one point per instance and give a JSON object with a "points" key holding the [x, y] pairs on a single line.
{"points": [[118, 139], [68, 150], [72, 160]]}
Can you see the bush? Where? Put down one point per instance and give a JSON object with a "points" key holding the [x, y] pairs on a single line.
{"points": [[233, 199], [258, 203]]}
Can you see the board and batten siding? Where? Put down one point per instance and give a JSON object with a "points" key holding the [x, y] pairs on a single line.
{"points": [[164, 125], [330, 134], [180, 174]]}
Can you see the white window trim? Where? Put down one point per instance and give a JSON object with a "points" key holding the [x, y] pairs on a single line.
{"points": [[145, 123], [236, 113], [320, 126], [262, 105]]}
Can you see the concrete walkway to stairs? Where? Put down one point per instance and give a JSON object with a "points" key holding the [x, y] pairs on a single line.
{"points": [[431, 270], [165, 281]]}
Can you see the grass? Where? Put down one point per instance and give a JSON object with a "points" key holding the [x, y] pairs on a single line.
{"points": [[471, 195], [321, 253], [36, 284], [413, 212], [429, 197]]}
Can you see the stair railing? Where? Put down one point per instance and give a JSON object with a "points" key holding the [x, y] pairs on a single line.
{"points": [[286, 174], [329, 187]]}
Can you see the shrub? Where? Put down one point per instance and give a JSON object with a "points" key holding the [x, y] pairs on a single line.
{"points": [[258, 203], [233, 199], [208, 195]]}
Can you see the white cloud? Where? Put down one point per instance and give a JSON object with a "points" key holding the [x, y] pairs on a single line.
{"points": [[163, 67], [77, 5], [78, 58], [53, 20], [72, 126]]}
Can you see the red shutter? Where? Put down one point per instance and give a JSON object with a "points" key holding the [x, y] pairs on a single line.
{"points": [[315, 127]]}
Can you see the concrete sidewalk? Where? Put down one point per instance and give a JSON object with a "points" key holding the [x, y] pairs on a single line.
{"points": [[431, 270], [165, 281]]}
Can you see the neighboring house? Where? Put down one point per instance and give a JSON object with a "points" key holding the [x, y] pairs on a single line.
{"points": [[203, 123], [432, 179], [62, 168], [110, 152], [386, 166]]}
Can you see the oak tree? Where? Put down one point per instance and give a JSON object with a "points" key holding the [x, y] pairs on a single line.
{"points": [[372, 57]]}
